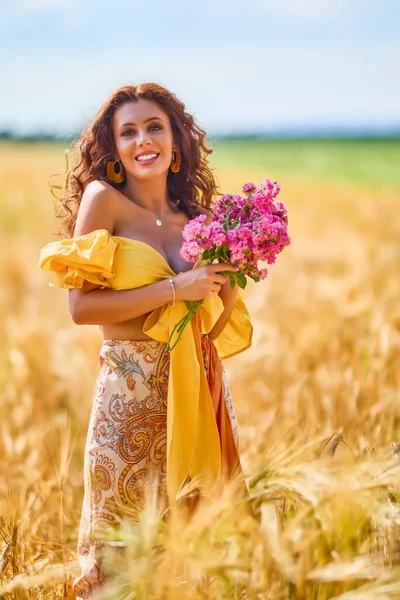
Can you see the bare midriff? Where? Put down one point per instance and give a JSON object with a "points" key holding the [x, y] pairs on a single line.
{"points": [[126, 330]]}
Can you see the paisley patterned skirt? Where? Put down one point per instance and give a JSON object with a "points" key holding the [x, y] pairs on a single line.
{"points": [[125, 453]]}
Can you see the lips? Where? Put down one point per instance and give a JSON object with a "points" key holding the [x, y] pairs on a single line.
{"points": [[150, 161], [145, 154]]}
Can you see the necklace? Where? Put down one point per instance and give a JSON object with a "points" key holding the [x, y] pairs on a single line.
{"points": [[158, 221]]}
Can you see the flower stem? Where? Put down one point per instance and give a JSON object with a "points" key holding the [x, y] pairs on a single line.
{"points": [[181, 324]]}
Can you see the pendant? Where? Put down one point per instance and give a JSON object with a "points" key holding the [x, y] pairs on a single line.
{"points": [[158, 222]]}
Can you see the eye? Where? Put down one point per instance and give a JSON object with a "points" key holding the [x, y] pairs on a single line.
{"points": [[130, 130]]}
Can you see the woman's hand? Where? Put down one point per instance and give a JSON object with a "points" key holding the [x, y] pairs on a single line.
{"points": [[202, 282]]}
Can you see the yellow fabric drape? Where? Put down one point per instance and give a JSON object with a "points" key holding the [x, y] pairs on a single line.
{"points": [[192, 436], [87, 257], [193, 446]]}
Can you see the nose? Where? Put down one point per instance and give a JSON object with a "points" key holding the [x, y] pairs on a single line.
{"points": [[143, 137]]}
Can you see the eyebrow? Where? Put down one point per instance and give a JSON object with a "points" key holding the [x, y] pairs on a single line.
{"points": [[145, 121]]}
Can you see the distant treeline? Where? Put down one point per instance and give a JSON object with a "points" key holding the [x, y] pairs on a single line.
{"points": [[280, 134], [35, 137]]}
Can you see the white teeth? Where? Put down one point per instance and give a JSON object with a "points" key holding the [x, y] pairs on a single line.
{"points": [[146, 156]]}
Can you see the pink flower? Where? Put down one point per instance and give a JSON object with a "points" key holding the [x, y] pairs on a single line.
{"points": [[217, 234], [244, 230], [245, 233], [261, 204], [269, 189], [248, 188], [280, 211], [194, 228], [190, 251]]}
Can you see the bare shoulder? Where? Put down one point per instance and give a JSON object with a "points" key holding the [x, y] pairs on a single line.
{"points": [[206, 211], [96, 209]]}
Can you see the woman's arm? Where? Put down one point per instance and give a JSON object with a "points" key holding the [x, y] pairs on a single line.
{"points": [[93, 306], [228, 296]]}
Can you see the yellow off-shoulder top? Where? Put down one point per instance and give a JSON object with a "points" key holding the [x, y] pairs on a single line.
{"points": [[119, 263]]}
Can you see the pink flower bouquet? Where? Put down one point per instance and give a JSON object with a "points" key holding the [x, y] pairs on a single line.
{"points": [[243, 231]]}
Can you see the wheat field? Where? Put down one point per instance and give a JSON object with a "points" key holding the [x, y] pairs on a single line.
{"points": [[317, 397]]}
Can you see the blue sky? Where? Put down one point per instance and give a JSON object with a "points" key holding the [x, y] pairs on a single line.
{"points": [[238, 66]]}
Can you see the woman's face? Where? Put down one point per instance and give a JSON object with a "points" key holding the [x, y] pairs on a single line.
{"points": [[142, 127]]}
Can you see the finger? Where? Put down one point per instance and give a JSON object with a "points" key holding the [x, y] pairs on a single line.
{"points": [[220, 279], [223, 267]]}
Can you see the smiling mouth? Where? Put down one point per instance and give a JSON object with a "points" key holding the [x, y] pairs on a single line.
{"points": [[148, 160]]}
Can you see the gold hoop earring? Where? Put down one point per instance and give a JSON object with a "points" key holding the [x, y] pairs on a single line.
{"points": [[176, 161], [115, 171]]}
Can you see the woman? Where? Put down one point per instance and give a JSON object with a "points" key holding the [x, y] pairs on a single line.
{"points": [[142, 175]]}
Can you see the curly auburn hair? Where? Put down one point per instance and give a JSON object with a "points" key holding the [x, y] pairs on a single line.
{"points": [[193, 186]]}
